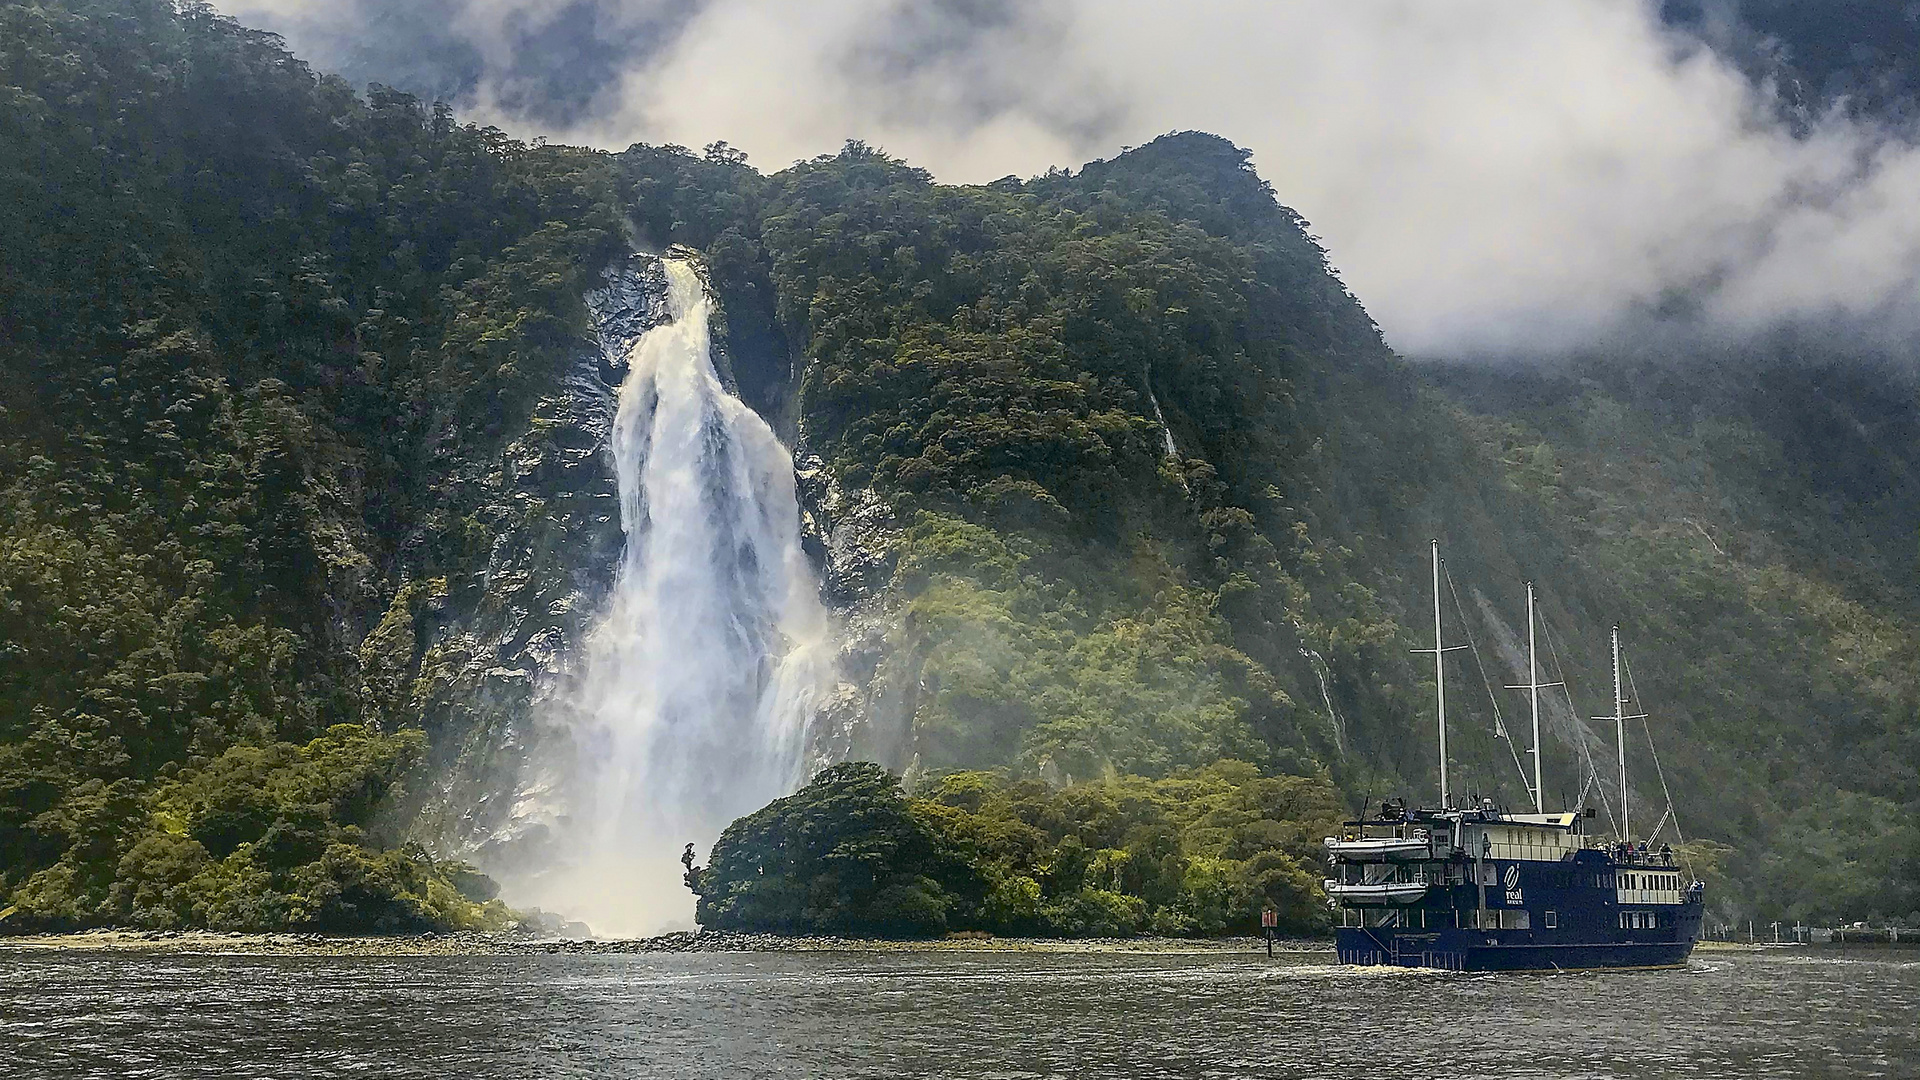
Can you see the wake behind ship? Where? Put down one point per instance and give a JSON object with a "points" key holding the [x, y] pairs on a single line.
{"points": [[1474, 888]]}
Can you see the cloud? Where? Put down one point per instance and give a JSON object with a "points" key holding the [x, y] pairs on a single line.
{"points": [[1489, 176]]}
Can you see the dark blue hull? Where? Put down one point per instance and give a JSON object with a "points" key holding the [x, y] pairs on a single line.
{"points": [[1465, 950], [1584, 911]]}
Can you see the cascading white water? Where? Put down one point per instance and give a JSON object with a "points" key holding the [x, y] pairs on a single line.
{"points": [[704, 675]]}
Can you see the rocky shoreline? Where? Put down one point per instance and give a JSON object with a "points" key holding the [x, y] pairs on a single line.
{"points": [[522, 944]]}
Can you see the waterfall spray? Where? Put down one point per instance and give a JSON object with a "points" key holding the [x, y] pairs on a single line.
{"points": [[705, 672]]}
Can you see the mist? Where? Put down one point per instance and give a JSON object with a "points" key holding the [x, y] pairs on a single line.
{"points": [[1490, 177]]}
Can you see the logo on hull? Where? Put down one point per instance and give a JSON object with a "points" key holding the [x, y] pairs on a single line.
{"points": [[1513, 885]]}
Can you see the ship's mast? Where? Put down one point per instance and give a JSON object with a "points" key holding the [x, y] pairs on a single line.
{"points": [[1440, 678], [1620, 734], [1533, 688]]}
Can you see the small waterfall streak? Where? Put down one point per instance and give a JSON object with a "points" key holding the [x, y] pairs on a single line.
{"points": [[705, 673], [1170, 451], [1318, 665]]}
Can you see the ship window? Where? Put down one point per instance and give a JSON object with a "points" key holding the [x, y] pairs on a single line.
{"points": [[1553, 920], [1515, 920]]}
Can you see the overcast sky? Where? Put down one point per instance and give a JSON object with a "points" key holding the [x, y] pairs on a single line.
{"points": [[1489, 176]]}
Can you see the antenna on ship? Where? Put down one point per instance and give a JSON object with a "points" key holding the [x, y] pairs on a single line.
{"points": [[1533, 687], [1440, 651], [1620, 737], [1620, 719]]}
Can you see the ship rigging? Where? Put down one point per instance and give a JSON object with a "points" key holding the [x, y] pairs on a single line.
{"points": [[1474, 887]]}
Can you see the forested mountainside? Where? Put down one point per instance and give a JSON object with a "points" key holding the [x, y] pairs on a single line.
{"points": [[1079, 597], [1857, 54], [264, 340], [1110, 478]]}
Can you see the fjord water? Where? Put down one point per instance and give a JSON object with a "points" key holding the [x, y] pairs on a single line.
{"points": [[703, 675], [943, 1014]]}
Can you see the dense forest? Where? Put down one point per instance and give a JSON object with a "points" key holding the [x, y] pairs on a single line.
{"points": [[1156, 495], [1198, 852], [261, 335]]}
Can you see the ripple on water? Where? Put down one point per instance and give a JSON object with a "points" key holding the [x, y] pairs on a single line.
{"points": [[1007, 1015]]}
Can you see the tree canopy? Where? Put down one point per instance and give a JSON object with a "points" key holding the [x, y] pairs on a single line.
{"points": [[1201, 851]]}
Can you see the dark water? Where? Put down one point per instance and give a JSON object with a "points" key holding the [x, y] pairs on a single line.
{"points": [[75, 1014]]}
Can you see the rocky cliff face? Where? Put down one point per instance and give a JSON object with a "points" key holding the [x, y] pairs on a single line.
{"points": [[501, 656], [853, 539], [501, 653]]}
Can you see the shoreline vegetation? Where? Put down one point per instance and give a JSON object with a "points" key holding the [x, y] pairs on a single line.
{"points": [[475, 943], [479, 943], [1197, 853]]}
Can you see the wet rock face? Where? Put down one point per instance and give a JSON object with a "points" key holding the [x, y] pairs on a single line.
{"points": [[850, 534], [499, 652], [853, 540], [502, 645]]}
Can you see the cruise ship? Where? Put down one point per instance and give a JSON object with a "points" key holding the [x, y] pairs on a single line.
{"points": [[1476, 888]]}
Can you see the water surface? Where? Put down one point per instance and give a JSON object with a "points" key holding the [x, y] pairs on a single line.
{"points": [[943, 1014]]}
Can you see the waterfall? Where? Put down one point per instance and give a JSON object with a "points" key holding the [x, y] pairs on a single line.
{"points": [[1318, 664], [1172, 452], [703, 676]]}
